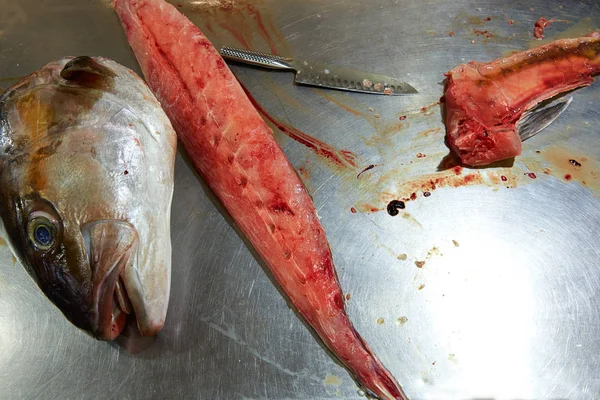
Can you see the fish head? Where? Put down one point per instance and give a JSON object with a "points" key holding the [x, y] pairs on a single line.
{"points": [[82, 206], [79, 268]]}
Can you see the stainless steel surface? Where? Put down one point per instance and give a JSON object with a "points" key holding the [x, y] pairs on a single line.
{"points": [[309, 73], [534, 121], [506, 303]]}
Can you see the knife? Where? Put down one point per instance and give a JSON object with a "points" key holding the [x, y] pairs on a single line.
{"points": [[322, 75]]}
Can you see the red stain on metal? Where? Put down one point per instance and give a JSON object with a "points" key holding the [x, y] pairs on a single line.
{"points": [[428, 109], [469, 178], [364, 170], [580, 167], [341, 158], [261, 28], [539, 27], [409, 190], [304, 172], [242, 19], [482, 33], [239, 36], [343, 106], [370, 208], [531, 175], [541, 24], [209, 28]]}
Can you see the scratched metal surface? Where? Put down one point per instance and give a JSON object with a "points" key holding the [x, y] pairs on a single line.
{"points": [[506, 303]]}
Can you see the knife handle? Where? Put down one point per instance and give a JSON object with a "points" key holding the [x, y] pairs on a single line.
{"points": [[257, 58]]}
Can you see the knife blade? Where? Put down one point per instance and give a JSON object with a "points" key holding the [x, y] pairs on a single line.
{"points": [[308, 73]]}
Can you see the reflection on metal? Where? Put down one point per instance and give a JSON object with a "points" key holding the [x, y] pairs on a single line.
{"points": [[486, 287]]}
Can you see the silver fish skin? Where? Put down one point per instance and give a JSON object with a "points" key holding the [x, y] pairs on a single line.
{"points": [[86, 183]]}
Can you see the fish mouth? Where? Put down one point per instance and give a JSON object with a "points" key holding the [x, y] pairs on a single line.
{"points": [[112, 246], [113, 307]]}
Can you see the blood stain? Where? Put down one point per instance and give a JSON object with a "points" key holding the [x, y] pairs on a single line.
{"points": [[364, 170], [341, 158], [394, 206], [241, 19]]}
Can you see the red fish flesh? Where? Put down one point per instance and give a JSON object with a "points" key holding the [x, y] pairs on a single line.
{"points": [[484, 101], [539, 27], [235, 152]]}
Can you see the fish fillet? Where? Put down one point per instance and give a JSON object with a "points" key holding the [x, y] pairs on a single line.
{"points": [[484, 101], [235, 152]]}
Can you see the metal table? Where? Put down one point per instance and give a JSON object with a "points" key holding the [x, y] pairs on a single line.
{"points": [[486, 286]]}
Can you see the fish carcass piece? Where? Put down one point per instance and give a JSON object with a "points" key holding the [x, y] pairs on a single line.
{"points": [[235, 152], [86, 181], [484, 101]]}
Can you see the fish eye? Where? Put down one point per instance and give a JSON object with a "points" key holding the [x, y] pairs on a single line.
{"points": [[42, 230]]}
